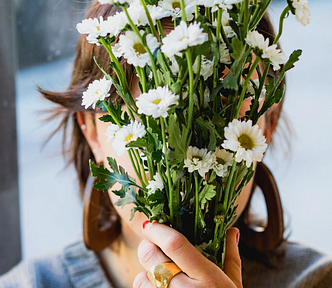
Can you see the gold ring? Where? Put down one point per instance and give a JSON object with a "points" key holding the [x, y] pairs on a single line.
{"points": [[161, 274]]}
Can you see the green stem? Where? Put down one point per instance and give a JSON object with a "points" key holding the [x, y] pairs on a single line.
{"points": [[196, 11], [191, 90], [196, 205], [112, 114], [138, 174], [261, 84], [245, 17], [169, 178], [122, 78], [281, 24], [244, 87], [218, 26], [228, 185], [139, 161], [183, 10], [160, 29], [153, 29], [153, 63]]}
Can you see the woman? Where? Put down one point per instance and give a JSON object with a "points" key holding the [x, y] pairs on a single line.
{"points": [[133, 247]]}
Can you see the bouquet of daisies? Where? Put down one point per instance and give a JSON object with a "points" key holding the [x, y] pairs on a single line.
{"points": [[191, 152]]}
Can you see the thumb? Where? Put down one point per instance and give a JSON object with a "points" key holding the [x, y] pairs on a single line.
{"points": [[232, 266]]}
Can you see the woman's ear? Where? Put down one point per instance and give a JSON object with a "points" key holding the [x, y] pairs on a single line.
{"points": [[86, 122], [271, 122]]}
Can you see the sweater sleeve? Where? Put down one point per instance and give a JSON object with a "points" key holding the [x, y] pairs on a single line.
{"points": [[43, 272], [301, 267]]}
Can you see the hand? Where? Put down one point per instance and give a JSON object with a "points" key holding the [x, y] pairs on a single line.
{"points": [[165, 244]]}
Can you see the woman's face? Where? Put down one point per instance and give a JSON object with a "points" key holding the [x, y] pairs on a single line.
{"points": [[132, 229]]}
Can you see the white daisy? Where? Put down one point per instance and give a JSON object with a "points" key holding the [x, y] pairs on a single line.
{"points": [[182, 37], [156, 102], [206, 67], [110, 132], [199, 160], [97, 91], [127, 134], [155, 184], [94, 28], [275, 56], [224, 160], [246, 140], [256, 40], [134, 51], [302, 12], [174, 8]]}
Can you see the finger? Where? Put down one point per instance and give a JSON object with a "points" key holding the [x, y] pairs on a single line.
{"points": [[178, 281], [142, 281], [182, 252], [149, 254], [232, 265]]}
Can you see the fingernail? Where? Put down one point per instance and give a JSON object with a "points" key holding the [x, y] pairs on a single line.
{"points": [[237, 238], [145, 222]]}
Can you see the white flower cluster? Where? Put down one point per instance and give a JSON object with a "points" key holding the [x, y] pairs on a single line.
{"points": [[97, 91], [274, 55], [202, 161], [113, 25], [183, 37], [246, 140], [302, 12], [156, 102]]}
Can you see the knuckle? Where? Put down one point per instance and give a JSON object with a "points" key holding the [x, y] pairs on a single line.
{"points": [[147, 252], [175, 243], [141, 281]]}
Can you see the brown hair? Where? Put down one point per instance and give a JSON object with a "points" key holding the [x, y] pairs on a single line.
{"points": [[84, 72]]}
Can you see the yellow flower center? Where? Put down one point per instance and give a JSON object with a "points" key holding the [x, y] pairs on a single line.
{"points": [[157, 101], [128, 138], [98, 28], [246, 142], [184, 38], [176, 5], [139, 48], [221, 161]]}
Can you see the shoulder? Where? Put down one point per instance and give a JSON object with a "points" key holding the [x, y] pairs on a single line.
{"points": [[301, 266], [73, 266]]}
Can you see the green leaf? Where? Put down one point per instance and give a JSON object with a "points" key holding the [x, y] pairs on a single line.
{"points": [[157, 155], [238, 49], [294, 57], [206, 124], [113, 164], [139, 143], [230, 82], [177, 140], [129, 198], [207, 193]]}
